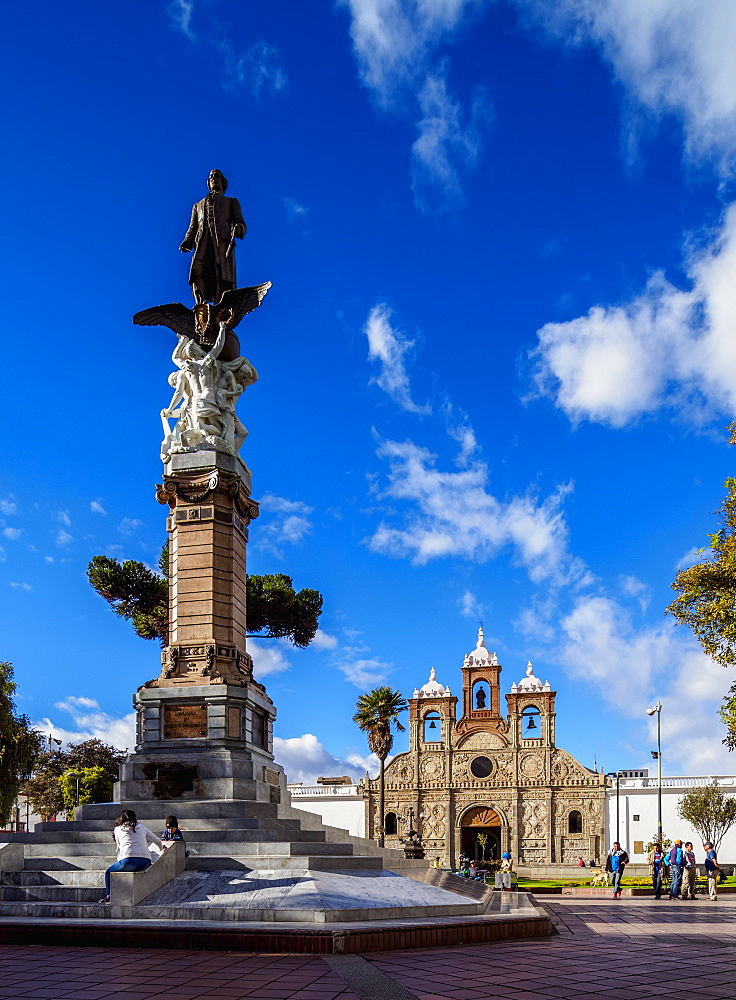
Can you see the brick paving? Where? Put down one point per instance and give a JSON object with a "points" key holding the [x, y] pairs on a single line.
{"points": [[604, 949]]}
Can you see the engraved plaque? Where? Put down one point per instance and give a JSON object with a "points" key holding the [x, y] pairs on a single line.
{"points": [[270, 776], [185, 722], [233, 723]]}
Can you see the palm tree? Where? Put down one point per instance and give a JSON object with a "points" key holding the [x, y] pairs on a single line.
{"points": [[374, 713]]}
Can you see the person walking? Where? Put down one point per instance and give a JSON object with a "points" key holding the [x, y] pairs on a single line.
{"points": [[616, 861], [656, 869], [689, 871], [675, 860], [712, 869], [132, 839]]}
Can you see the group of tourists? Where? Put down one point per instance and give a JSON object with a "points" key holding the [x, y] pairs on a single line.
{"points": [[679, 863], [132, 839]]}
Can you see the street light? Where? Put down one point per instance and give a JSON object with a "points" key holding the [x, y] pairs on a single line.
{"points": [[617, 776], [657, 710]]}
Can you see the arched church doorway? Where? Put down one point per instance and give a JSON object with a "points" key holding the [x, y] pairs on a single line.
{"points": [[486, 822]]}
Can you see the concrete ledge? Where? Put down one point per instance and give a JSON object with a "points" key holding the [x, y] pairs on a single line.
{"points": [[129, 888], [12, 856], [272, 938]]}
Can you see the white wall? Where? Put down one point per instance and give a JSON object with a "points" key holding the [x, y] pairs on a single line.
{"points": [[638, 797], [338, 805]]}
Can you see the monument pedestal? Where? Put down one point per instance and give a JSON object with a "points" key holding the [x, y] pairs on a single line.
{"points": [[206, 741], [204, 726]]}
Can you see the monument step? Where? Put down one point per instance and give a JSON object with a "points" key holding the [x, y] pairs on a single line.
{"points": [[74, 911], [73, 877], [105, 825], [78, 863], [53, 893], [295, 847], [184, 809], [221, 862]]}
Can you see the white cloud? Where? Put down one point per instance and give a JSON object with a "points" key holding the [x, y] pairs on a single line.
{"points": [[129, 525], [90, 722], [96, 507], [63, 537], [454, 514], [181, 11], [395, 42], [293, 209], [694, 556], [470, 606], [446, 140], [268, 658], [21, 586], [283, 521], [665, 348], [305, 759], [322, 640], [388, 346], [63, 516], [8, 506], [258, 69], [633, 667], [632, 586], [363, 673], [12, 533], [672, 56]]}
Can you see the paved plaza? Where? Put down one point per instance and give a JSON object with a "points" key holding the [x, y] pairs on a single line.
{"points": [[628, 949]]}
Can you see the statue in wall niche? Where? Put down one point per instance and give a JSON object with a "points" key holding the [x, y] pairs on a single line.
{"points": [[205, 392], [480, 698]]}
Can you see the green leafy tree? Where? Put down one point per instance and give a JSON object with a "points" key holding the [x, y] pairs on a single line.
{"points": [[375, 713], [141, 596], [710, 811], [706, 598], [43, 788], [83, 785], [19, 744]]}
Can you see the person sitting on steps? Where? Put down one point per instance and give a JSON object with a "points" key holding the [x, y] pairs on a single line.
{"points": [[132, 839]]}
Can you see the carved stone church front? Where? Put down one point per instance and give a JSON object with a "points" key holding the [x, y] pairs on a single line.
{"points": [[484, 774]]}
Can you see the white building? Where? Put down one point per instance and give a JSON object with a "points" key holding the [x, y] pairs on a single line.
{"points": [[338, 805], [637, 812]]}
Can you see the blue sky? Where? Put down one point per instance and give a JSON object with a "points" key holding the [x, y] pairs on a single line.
{"points": [[496, 363]]}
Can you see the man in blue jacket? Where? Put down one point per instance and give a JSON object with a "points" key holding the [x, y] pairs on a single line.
{"points": [[616, 861], [676, 859]]}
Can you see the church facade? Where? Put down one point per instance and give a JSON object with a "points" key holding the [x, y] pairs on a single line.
{"points": [[486, 783]]}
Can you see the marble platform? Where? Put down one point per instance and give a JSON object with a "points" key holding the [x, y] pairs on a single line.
{"points": [[301, 895]]}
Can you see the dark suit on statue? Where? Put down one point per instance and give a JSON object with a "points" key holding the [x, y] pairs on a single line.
{"points": [[215, 219]]}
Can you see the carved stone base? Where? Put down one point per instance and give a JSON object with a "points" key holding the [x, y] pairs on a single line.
{"points": [[202, 742]]}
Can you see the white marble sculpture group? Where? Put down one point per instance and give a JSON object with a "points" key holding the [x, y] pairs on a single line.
{"points": [[205, 392]]}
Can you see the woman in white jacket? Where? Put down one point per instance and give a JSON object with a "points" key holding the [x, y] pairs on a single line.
{"points": [[132, 839]]}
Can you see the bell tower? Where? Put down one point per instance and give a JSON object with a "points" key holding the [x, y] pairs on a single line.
{"points": [[531, 712], [431, 715], [481, 691]]}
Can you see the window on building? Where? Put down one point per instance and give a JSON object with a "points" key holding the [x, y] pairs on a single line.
{"points": [[575, 822], [636, 817], [389, 823], [432, 727], [481, 767]]}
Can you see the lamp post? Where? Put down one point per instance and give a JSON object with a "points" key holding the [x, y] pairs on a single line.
{"points": [[617, 776], [657, 710]]}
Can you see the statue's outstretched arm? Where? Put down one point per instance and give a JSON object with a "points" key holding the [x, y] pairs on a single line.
{"points": [[181, 343]]}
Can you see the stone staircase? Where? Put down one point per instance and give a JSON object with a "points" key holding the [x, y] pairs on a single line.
{"points": [[64, 864]]}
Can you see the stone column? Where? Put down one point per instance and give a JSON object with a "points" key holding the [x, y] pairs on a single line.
{"points": [[205, 727]]}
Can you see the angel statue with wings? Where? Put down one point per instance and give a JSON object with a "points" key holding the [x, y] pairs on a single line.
{"points": [[205, 392]]}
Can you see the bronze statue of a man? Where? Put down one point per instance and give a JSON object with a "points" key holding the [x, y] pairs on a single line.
{"points": [[215, 225]]}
